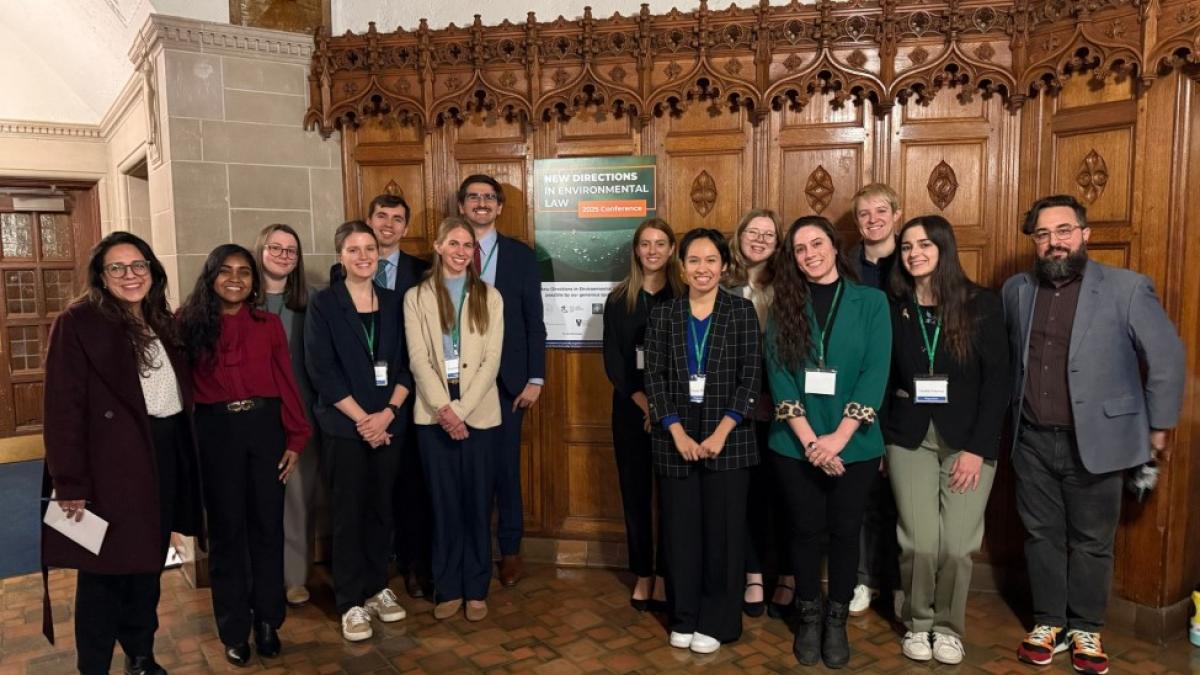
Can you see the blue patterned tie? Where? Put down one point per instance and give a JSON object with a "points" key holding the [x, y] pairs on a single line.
{"points": [[381, 276]]}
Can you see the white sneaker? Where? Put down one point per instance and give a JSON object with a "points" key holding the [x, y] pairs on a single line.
{"points": [[385, 606], [861, 601], [916, 646], [703, 644], [681, 640], [947, 649], [356, 625]]}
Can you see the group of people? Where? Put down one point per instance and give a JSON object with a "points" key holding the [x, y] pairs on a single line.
{"points": [[409, 380], [785, 400], [795, 402]]}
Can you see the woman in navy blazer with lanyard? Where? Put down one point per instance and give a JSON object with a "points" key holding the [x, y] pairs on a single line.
{"points": [[703, 368], [356, 356]]}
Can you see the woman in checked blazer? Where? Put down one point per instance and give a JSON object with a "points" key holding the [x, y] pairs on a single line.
{"points": [[702, 377]]}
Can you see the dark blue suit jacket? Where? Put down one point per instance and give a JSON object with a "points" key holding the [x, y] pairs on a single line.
{"points": [[524, 353], [340, 363]]}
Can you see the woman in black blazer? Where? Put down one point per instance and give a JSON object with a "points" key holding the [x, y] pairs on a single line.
{"points": [[948, 394], [358, 360], [703, 370], [653, 278]]}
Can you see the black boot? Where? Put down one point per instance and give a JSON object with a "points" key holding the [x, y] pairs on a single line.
{"points": [[143, 665], [806, 646], [266, 639], [835, 646]]}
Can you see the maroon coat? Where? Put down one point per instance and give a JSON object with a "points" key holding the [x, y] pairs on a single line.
{"points": [[99, 447]]}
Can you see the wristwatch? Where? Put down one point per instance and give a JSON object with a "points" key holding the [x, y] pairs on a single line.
{"points": [[811, 445], [395, 410]]}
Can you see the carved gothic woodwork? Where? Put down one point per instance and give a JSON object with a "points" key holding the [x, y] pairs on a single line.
{"points": [[943, 185], [1092, 176], [819, 189], [393, 188], [704, 193]]}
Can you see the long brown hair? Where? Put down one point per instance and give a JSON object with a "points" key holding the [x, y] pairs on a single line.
{"points": [[792, 335], [739, 269], [295, 289], [477, 309], [631, 285], [952, 290]]}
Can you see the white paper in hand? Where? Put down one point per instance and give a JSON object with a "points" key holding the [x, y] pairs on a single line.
{"points": [[88, 532]]}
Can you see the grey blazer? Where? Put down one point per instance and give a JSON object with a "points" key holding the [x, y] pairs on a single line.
{"points": [[1119, 324]]}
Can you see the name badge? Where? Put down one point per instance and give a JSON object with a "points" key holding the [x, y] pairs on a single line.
{"points": [[452, 368], [931, 389], [820, 381], [696, 388], [641, 358], [381, 374]]}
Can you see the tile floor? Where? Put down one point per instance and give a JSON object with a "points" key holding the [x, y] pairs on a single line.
{"points": [[555, 621]]}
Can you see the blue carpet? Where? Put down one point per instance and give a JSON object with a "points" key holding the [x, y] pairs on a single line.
{"points": [[20, 522]]}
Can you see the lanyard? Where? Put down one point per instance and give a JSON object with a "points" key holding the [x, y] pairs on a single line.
{"points": [[827, 329], [930, 347], [456, 331], [698, 344], [487, 261], [370, 334]]}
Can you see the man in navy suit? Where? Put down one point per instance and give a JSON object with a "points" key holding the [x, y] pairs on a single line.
{"points": [[388, 215], [509, 266]]}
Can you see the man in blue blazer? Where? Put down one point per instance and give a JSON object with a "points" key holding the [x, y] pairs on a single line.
{"points": [[510, 266], [1082, 413], [389, 215]]}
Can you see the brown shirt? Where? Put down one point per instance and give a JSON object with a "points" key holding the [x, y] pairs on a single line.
{"points": [[1047, 395]]}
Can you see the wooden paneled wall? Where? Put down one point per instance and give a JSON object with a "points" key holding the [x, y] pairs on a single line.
{"points": [[977, 131]]}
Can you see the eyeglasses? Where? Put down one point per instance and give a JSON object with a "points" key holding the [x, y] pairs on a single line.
{"points": [[482, 197], [117, 270], [766, 236], [1059, 233], [285, 252]]}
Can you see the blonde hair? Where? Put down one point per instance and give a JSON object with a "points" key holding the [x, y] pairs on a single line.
{"points": [[631, 285], [874, 190], [738, 273], [477, 309]]}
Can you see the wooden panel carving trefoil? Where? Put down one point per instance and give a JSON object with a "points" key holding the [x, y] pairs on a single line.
{"points": [[704, 193], [943, 185], [1092, 176], [819, 189]]}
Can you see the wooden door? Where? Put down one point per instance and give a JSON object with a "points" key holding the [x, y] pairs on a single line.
{"points": [[42, 255]]}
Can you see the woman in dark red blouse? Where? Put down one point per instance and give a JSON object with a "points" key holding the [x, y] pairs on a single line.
{"points": [[251, 428]]}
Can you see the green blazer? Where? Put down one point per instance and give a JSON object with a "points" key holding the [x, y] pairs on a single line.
{"points": [[860, 348]]}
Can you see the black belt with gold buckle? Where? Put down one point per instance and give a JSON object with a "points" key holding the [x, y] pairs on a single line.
{"points": [[230, 407]]}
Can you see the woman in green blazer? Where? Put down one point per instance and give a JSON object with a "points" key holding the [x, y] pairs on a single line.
{"points": [[828, 346]]}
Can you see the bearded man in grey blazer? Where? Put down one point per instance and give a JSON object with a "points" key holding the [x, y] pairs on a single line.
{"points": [[1083, 413]]}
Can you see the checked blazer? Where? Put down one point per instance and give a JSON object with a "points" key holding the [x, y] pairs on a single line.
{"points": [[733, 369]]}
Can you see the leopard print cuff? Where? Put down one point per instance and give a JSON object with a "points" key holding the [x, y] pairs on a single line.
{"points": [[857, 411], [786, 410]]}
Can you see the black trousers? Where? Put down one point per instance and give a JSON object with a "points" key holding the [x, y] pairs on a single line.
{"points": [[510, 522], [1071, 517], [459, 475], [703, 518], [821, 506], [123, 608], [360, 480], [767, 531], [414, 515], [635, 474], [239, 456]]}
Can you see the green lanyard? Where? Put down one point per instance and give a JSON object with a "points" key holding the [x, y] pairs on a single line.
{"points": [[456, 331], [370, 335], [827, 329], [487, 261], [930, 347], [699, 343]]}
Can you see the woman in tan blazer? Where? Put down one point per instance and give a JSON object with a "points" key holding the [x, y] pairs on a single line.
{"points": [[455, 328]]}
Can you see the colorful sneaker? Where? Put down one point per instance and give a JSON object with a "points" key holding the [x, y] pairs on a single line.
{"points": [[1087, 654], [1194, 633], [1041, 644]]}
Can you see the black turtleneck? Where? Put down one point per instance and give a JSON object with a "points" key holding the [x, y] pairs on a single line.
{"points": [[821, 296]]}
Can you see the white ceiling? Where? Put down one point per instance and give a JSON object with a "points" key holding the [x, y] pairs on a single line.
{"points": [[66, 61]]}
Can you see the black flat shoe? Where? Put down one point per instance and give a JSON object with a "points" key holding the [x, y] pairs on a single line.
{"points": [[143, 665], [753, 609], [238, 655], [782, 610], [640, 604], [266, 640]]}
